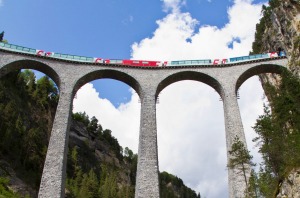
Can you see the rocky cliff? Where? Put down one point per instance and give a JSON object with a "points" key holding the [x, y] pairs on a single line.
{"points": [[290, 187], [280, 28]]}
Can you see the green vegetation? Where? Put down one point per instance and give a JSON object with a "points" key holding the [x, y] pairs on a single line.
{"points": [[240, 159], [279, 134], [278, 128], [4, 190], [103, 179], [27, 109], [172, 186], [95, 183], [89, 179]]}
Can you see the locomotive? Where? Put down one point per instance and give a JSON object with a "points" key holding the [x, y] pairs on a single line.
{"points": [[141, 63]]}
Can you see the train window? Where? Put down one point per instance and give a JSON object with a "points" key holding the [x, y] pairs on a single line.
{"points": [[136, 62], [263, 55], [174, 62], [26, 49], [194, 62], [115, 61], [181, 62], [145, 62], [188, 62]]}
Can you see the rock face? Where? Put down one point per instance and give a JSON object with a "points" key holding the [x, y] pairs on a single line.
{"points": [[281, 28], [290, 187], [82, 139]]}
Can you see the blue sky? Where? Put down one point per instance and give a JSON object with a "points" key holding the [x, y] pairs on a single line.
{"points": [[154, 30], [104, 28]]}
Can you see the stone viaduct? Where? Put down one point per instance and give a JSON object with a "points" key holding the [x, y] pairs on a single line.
{"points": [[148, 83]]}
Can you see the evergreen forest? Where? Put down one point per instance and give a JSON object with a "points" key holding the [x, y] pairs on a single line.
{"points": [[97, 165]]}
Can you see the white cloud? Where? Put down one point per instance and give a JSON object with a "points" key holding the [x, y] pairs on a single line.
{"points": [[206, 42], [191, 131], [173, 5]]}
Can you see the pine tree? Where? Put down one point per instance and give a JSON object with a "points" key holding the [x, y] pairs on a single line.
{"points": [[240, 158]]}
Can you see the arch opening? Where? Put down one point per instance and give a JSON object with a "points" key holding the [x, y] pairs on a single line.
{"points": [[189, 75], [191, 137], [111, 134], [108, 74], [259, 69], [31, 64], [27, 111]]}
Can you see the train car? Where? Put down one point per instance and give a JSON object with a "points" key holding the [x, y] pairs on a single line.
{"points": [[136, 63], [255, 57], [143, 63], [17, 48], [113, 61], [70, 57], [189, 62], [247, 58], [282, 53]]}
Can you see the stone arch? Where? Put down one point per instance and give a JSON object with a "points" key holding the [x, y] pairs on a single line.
{"points": [[190, 75], [256, 70], [108, 73], [31, 64]]}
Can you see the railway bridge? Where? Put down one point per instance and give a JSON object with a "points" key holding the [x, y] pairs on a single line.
{"points": [[148, 82]]}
